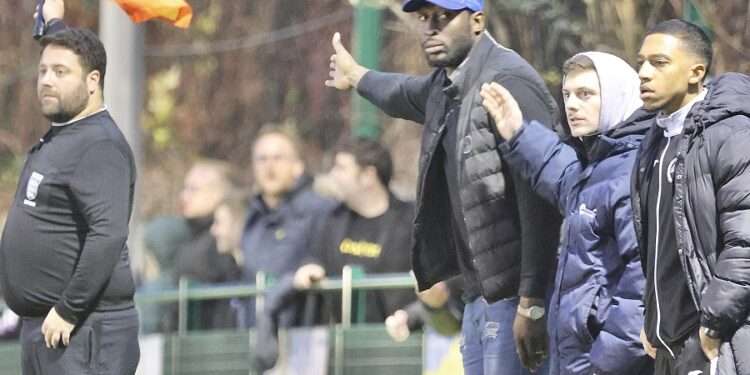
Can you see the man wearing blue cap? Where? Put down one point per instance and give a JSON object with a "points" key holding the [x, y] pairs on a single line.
{"points": [[473, 216]]}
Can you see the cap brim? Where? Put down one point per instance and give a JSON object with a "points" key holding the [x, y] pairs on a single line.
{"points": [[414, 5]]}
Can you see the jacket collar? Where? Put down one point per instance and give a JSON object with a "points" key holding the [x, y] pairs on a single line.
{"points": [[393, 202], [199, 225], [259, 205], [674, 123], [620, 138], [604, 146], [61, 124], [727, 97], [464, 77]]}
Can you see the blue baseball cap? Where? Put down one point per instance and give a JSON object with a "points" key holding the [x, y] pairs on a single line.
{"points": [[474, 5]]}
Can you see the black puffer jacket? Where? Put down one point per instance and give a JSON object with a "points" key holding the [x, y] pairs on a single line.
{"points": [[711, 212], [512, 233]]}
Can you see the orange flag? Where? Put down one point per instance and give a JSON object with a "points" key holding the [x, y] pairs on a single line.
{"points": [[177, 12]]}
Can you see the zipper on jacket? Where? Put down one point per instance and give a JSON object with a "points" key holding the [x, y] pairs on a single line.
{"points": [[656, 252]]}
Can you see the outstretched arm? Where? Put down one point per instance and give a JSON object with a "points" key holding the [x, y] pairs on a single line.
{"points": [[345, 71], [398, 95], [533, 151]]}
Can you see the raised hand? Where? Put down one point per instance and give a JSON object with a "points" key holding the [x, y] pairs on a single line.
{"points": [[345, 71], [503, 108], [52, 9]]}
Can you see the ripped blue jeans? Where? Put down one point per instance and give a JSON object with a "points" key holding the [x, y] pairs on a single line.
{"points": [[487, 344]]}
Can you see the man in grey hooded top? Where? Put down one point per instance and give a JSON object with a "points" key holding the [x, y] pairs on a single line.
{"points": [[596, 311]]}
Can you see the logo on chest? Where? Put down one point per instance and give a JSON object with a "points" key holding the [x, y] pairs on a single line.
{"points": [[32, 188], [362, 249]]}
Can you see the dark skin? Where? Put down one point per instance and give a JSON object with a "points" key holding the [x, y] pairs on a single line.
{"points": [[671, 75], [447, 37]]}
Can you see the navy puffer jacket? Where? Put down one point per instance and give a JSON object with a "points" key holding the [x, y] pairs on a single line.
{"points": [[596, 312]]}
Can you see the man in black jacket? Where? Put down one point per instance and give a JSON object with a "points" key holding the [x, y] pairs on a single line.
{"points": [[473, 217], [370, 228], [690, 202], [65, 263]]}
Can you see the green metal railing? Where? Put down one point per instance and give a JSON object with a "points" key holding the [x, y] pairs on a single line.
{"points": [[359, 349], [352, 279]]}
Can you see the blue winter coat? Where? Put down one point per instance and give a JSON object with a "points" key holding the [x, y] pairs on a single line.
{"points": [[596, 311]]}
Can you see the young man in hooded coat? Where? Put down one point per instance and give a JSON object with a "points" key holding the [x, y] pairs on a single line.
{"points": [[596, 311]]}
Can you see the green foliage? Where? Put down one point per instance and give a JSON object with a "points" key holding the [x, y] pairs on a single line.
{"points": [[208, 21], [160, 106]]}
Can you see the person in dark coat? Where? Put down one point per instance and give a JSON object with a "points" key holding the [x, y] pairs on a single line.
{"points": [[198, 259], [473, 217], [370, 228], [596, 312], [690, 206], [281, 215], [64, 259], [162, 239], [689, 199]]}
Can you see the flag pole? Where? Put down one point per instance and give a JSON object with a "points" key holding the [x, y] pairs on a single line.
{"points": [[124, 90]]}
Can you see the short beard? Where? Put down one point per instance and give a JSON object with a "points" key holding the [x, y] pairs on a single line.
{"points": [[69, 106], [453, 58], [448, 62]]}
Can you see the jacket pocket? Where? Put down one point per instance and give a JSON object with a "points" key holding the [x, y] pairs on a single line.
{"points": [[587, 325], [593, 326], [573, 318]]}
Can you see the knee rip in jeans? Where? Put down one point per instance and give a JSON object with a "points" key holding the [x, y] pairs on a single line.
{"points": [[491, 329]]}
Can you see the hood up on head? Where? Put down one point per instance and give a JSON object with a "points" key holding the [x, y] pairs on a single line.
{"points": [[619, 88]]}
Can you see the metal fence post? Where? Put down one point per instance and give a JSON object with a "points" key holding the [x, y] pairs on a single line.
{"points": [[359, 301], [346, 320], [346, 297], [182, 306], [182, 321], [260, 284]]}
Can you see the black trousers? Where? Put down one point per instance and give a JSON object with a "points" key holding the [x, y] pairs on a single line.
{"points": [[105, 344], [688, 359]]}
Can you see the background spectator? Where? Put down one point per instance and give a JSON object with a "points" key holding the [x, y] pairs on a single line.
{"points": [[277, 233], [370, 228], [162, 239], [207, 182]]}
